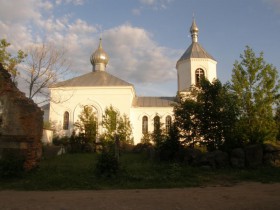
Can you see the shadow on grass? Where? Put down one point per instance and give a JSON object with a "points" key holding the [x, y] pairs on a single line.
{"points": [[76, 172]]}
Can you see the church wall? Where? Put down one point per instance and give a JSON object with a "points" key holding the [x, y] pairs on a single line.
{"points": [[186, 71], [137, 115], [100, 98], [184, 75], [208, 65]]}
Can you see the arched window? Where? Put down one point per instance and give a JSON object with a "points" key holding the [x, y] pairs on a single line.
{"points": [[168, 123], [66, 121], [199, 75], [145, 124], [156, 123]]}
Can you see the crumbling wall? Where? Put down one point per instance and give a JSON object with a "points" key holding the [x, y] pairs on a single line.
{"points": [[21, 122]]}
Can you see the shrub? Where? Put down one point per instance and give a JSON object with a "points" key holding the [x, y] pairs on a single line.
{"points": [[59, 141], [142, 147], [11, 165], [107, 166]]}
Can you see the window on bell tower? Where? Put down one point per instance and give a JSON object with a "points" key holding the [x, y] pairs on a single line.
{"points": [[199, 75]]}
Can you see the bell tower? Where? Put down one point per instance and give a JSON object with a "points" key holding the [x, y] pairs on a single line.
{"points": [[195, 64]]}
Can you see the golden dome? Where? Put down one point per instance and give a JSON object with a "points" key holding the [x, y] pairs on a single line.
{"points": [[194, 27], [99, 56]]}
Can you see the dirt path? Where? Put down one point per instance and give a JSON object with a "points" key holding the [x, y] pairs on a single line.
{"points": [[241, 196]]}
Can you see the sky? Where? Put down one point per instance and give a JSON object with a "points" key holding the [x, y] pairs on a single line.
{"points": [[144, 38]]}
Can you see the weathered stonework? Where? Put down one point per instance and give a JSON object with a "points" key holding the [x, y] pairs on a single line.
{"points": [[21, 122]]}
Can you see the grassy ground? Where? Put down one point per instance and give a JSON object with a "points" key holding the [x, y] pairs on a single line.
{"points": [[76, 172]]}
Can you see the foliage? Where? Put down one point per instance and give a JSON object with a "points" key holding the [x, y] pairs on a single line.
{"points": [[11, 165], [207, 116], [277, 121], [59, 141], [79, 143], [146, 138], [115, 124], [142, 147], [107, 165], [255, 83], [87, 125], [158, 136], [9, 61], [171, 149], [75, 172], [217, 114], [186, 119], [45, 65]]}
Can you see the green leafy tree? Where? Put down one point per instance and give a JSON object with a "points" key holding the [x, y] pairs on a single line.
{"points": [[158, 136], [186, 120], [87, 124], [115, 124], [9, 61], [146, 138], [217, 113], [277, 122], [207, 116], [255, 83], [172, 149]]}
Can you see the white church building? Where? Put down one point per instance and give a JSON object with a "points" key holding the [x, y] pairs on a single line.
{"points": [[100, 89]]}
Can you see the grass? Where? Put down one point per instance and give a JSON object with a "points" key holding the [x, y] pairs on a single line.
{"points": [[76, 172]]}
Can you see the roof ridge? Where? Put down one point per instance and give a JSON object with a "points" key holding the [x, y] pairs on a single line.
{"points": [[95, 79]]}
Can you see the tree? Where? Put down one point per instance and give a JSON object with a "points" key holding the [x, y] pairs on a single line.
{"points": [[45, 66], [87, 124], [186, 120], [157, 135], [277, 122], [115, 124], [255, 83], [217, 113], [207, 116], [10, 62]]}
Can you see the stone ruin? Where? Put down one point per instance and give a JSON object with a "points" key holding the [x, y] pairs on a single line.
{"points": [[21, 123]]}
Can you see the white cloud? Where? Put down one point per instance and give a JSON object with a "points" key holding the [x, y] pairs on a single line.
{"points": [[19, 10], [274, 4], [156, 4], [136, 57], [75, 2]]}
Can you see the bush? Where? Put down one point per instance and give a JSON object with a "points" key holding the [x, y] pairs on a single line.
{"points": [[59, 141], [11, 165], [171, 150], [107, 165], [142, 147]]}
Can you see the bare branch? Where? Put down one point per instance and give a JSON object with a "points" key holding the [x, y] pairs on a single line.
{"points": [[45, 66]]}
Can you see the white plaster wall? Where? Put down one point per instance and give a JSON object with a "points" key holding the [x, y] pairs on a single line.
{"points": [[72, 101], [208, 65], [187, 68], [47, 136], [137, 114], [184, 75]]}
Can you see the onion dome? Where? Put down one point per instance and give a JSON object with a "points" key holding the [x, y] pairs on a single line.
{"points": [[194, 31], [99, 59]]}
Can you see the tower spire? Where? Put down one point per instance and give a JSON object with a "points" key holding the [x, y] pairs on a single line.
{"points": [[194, 31]]}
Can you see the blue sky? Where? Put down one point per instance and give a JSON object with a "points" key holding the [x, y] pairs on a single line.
{"points": [[145, 38]]}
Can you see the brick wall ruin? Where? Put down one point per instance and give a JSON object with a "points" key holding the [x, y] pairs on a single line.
{"points": [[21, 122]]}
